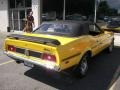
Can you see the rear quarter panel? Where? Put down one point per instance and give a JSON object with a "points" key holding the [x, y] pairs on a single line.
{"points": [[71, 53]]}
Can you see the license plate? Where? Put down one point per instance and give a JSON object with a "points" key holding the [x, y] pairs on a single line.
{"points": [[28, 64]]}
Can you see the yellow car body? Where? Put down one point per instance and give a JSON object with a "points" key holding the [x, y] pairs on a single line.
{"points": [[66, 54]]}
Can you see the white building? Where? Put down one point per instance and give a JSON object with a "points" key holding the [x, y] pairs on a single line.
{"points": [[12, 13], [118, 11]]}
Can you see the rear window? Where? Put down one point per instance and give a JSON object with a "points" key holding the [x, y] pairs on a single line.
{"points": [[54, 29]]}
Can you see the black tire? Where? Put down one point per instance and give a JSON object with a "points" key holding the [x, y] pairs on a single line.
{"points": [[18, 62], [82, 67], [110, 48]]}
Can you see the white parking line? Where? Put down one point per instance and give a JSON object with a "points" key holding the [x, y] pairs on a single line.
{"points": [[6, 62]]}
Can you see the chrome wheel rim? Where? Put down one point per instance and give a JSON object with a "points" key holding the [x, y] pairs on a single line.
{"points": [[111, 47], [84, 65]]}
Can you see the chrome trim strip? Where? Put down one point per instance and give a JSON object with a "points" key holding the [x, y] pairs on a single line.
{"points": [[75, 55]]}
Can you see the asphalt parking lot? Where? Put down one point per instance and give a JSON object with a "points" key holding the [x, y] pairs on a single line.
{"points": [[19, 77]]}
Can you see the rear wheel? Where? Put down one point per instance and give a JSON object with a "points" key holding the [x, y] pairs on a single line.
{"points": [[82, 68]]}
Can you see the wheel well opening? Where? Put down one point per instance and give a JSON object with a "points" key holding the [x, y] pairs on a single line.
{"points": [[89, 53]]}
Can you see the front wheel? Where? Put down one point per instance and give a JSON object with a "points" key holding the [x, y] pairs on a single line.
{"points": [[110, 48]]}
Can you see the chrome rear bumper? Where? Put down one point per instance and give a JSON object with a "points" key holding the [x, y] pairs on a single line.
{"points": [[50, 66]]}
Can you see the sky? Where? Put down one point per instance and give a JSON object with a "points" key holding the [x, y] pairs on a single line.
{"points": [[114, 3]]}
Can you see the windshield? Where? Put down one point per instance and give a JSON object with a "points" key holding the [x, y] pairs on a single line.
{"points": [[74, 17], [56, 29]]}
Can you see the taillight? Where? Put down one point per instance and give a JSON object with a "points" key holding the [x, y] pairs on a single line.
{"points": [[49, 57], [11, 48]]}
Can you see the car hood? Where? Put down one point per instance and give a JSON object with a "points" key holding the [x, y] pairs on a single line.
{"points": [[115, 28]]}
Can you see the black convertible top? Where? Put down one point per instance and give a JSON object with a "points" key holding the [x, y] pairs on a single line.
{"points": [[78, 27]]}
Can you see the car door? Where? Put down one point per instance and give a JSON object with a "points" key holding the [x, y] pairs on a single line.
{"points": [[99, 39]]}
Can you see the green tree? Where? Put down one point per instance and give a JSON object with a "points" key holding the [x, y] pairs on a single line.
{"points": [[105, 10]]}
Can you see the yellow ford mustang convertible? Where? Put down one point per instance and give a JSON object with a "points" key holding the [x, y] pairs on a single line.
{"points": [[59, 45]]}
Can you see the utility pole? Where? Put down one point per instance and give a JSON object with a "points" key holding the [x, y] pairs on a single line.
{"points": [[95, 11], [64, 9]]}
